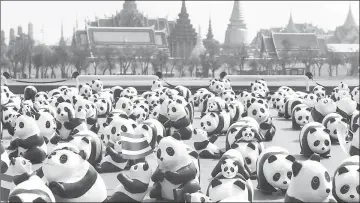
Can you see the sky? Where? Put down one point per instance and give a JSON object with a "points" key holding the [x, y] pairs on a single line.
{"points": [[48, 15]]}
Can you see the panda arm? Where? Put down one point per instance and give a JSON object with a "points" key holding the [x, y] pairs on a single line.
{"points": [[115, 156], [213, 138], [91, 120], [14, 144], [157, 176], [11, 130], [32, 141], [132, 186], [58, 125], [183, 175], [181, 122]]}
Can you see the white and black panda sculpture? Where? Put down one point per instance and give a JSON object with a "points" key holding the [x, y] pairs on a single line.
{"points": [[311, 182], [355, 143], [4, 161], [216, 123], [274, 170], [345, 184], [334, 123], [322, 108], [301, 115], [290, 105], [315, 138]]}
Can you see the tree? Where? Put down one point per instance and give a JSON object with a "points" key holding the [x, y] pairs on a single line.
{"points": [[308, 57], [194, 62], [285, 56], [253, 64], [319, 64], [160, 62], [144, 57], [212, 52], [334, 59], [38, 60], [79, 59], [267, 64], [63, 55], [353, 60], [126, 57]]}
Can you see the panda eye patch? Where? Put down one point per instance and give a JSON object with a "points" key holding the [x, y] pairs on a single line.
{"points": [[300, 118], [315, 183], [254, 112], [63, 159], [344, 189], [21, 124], [307, 117], [47, 124], [335, 132], [123, 106], [123, 128], [262, 110], [158, 153], [276, 177], [327, 142], [102, 136], [170, 151], [202, 124], [135, 167], [208, 123], [226, 168], [173, 109], [327, 176], [289, 174], [248, 160], [58, 110], [113, 130], [23, 162]]}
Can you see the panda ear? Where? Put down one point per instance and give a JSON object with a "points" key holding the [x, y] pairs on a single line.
{"points": [[105, 124], [232, 130], [82, 154], [145, 127], [80, 86], [109, 120], [85, 139], [297, 109], [315, 157], [251, 84], [308, 109], [145, 166], [134, 125], [177, 136], [93, 81], [272, 158], [312, 130], [37, 115], [251, 146], [344, 120], [234, 146], [327, 130], [212, 114], [290, 158], [343, 169], [39, 200], [248, 104], [296, 167], [332, 120]]}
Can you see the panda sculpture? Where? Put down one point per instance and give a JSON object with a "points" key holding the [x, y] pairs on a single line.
{"points": [[311, 182], [97, 86], [47, 124], [163, 116], [71, 178], [176, 172], [4, 161], [355, 143], [178, 121], [156, 130], [235, 128], [103, 108], [197, 197], [65, 114], [216, 123], [334, 123], [301, 115], [124, 104], [310, 100], [273, 170], [85, 90], [250, 152], [27, 140], [205, 146], [133, 184], [322, 108], [346, 107], [228, 183], [259, 110], [139, 115], [236, 109], [91, 113], [315, 138], [280, 107], [345, 184], [216, 86], [290, 105]]}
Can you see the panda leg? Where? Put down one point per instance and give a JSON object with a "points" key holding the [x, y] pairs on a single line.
{"points": [[107, 167], [334, 140], [253, 176], [206, 154], [120, 197], [35, 155], [296, 127], [189, 187], [13, 154], [155, 192]]}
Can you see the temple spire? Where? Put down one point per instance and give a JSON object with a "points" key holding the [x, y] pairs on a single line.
{"points": [[209, 34], [349, 22], [237, 16], [62, 40], [183, 7], [199, 47], [290, 28]]}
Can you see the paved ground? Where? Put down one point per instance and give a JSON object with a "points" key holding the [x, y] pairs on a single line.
{"points": [[284, 137]]}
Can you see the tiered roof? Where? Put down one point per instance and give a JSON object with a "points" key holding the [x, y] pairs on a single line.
{"points": [[183, 30], [199, 47]]}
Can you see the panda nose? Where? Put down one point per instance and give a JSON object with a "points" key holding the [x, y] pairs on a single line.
{"points": [[323, 148], [328, 190], [49, 157], [352, 196], [285, 182], [161, 159]]}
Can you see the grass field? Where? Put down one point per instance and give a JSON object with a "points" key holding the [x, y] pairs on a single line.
{"points": [[285, 137]]}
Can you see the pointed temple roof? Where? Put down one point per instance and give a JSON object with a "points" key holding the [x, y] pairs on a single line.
{"points": [[210, 35], [350, 21], [291, 28], [237, 18], [183, 30], [199, 47], [62, 40]]}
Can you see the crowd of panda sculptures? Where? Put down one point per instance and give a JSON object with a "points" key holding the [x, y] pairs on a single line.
{"points": [[74, 134]]}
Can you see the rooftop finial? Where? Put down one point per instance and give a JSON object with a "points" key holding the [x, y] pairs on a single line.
{"points": [[210, 35], [349, 22]]}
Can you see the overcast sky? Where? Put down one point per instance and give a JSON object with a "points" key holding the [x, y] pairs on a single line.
{"points": [[50, 14]]}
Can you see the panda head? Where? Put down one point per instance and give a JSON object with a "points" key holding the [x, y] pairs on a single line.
{"points": [[140, 171], [355, 95], [257, 87], [125, 104], [40, 96], [46, 123], [64, 164], [216, 85], [143, 105], [335, 126], [139, 115], [196, 197], [346, 185], [342, 94], [229, 168], [199, 135], [64, 110], [25, 126], [5, 98], [228, 96], [105, 135], [227, 84], [97, 85], [85, 90], [5, 89], [213, 105], [277, 170], [311, 181], [119, 125], [209, 122], [103, 106], [259, 110], [325, 106], [156, 84], [20, 165], [319, 140], [153, 100], [40, 104], [310, 99], [343, 86], [176, 111], [82, 141], [280, 105], [154, 113], [172, 154], [301, 115], [276, 97], [237, 157], [319, 89], [248, 133], [129, 91]]}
